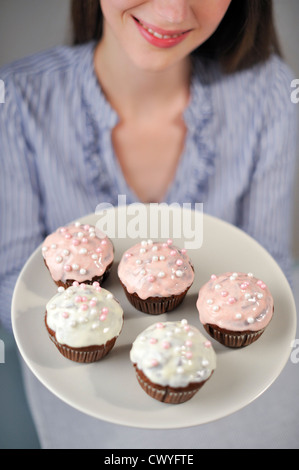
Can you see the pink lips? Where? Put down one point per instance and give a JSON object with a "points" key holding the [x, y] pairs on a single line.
{"points": [[160, 37]]}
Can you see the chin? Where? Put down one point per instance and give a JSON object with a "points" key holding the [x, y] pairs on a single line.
{"points": [[155, 62]]}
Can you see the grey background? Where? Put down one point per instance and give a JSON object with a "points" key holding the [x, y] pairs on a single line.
{"points": [[29, 26]]}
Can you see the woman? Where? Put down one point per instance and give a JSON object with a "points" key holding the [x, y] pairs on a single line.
{"points": [[160, 100]]}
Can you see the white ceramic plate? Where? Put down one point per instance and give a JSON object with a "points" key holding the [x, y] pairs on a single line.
{"points": [[108, 389]]}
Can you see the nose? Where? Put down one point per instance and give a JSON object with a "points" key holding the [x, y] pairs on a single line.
{"points": [[173, 11]]}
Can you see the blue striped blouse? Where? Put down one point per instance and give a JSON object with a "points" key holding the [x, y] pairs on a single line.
{"points": [[58, 163]]}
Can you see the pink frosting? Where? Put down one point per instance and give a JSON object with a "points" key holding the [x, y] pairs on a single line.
{"points": [[235, 301], [155, 269], [78, 252]]}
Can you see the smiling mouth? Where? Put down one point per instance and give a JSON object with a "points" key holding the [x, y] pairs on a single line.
{"points": [[157, 32]]}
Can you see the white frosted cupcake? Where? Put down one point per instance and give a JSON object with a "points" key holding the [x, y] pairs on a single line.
{"points": [[172, 361], [84, 321]]}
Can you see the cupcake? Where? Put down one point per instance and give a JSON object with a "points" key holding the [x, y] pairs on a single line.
{"points": [[83, 321], [155, 276], [235, 308], [79, 253], [172, 361]]}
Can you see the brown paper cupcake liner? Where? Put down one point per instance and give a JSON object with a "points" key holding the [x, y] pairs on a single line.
{"points": [[69, 282], [167, 394], [233, 339], [85, 354], [155, 305]]}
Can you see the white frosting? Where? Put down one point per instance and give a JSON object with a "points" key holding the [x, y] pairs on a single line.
{"points": [[84, 315], [173, 354]]}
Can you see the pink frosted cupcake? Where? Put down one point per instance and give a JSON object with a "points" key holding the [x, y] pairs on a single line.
{"points": [[78, 252], [235, 308], [155, 276]]}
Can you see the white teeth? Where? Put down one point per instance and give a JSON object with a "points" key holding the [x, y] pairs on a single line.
{"points": [[158, 35]]}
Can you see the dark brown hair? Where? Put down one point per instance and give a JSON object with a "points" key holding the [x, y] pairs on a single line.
{"points": [[246, 35]]}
